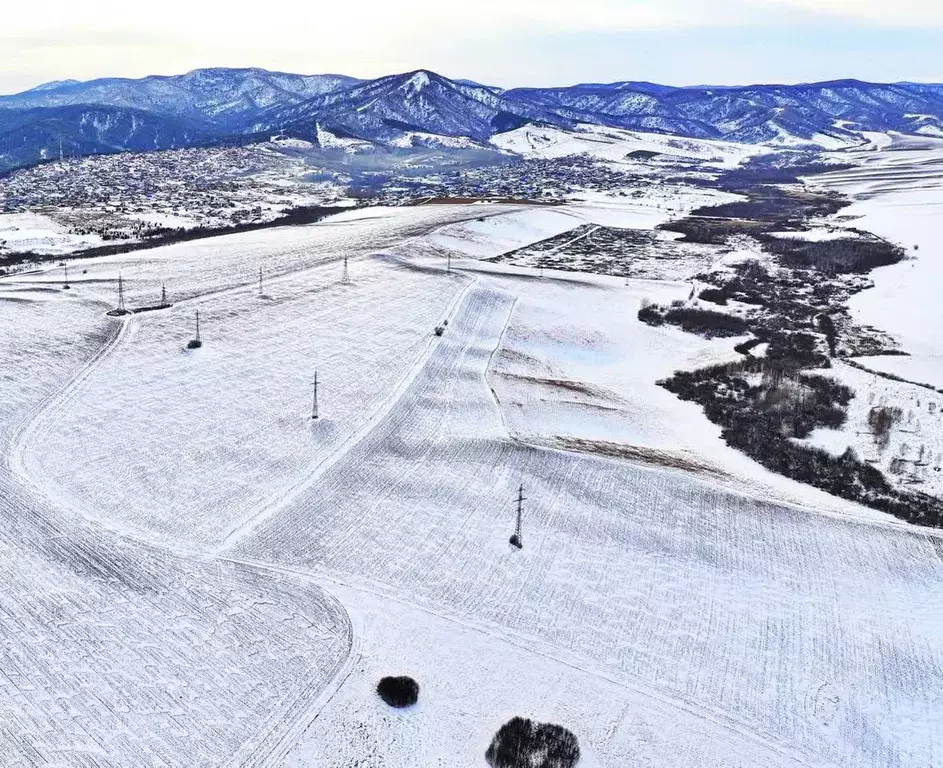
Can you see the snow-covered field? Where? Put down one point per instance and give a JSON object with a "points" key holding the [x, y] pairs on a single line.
{"points": [[747, 612], [640, 207], [117, 654], [898, 194], [573, 373], [193, 269], [486, 238], [37, 233], [198, 574], [238, 435], [617, 145]]}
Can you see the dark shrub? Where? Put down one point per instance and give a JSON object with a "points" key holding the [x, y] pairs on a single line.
{"points": [[715, 295], [707, 323], [842, 256], [651, 314], [745, 347], [398, 691], [704, 322], [522, 743]]}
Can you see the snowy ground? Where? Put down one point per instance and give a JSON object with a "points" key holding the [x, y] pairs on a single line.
{"points": [[647, 576], [473, 681], [240, 434], [898, 193], [666, 607], [911, 454], [214, 265], [37, 233], [638, 208], [117, 654], [616, 146], [576, 371]]}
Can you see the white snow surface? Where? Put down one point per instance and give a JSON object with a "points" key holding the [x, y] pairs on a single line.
{"points": [[116, 653], [911, 456], [898, 195], [504, 228], [614, 144], [198, 573], [817, 235], [676, 589], [38, 233], [492, 236]]}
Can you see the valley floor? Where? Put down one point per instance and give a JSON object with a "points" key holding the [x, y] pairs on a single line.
{"points": [[198, 573]]}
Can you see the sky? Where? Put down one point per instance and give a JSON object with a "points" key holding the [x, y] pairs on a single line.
{"points": [[499, 42]]}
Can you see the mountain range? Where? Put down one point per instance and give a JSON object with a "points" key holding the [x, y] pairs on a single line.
{"points": [[211, 106]]}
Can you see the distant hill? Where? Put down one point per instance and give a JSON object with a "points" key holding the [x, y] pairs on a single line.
{"points": [[224, 98], [29, 136], [211, 105]]}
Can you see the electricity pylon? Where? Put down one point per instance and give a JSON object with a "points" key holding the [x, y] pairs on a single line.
{"points": [[314, 401], [196, 342], [121, 308], [346, 278], [518, 539]]}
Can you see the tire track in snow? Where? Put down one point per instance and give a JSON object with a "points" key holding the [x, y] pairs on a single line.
{"points": [[270, 746], [91, 546], [526, 645], [479, 302]]}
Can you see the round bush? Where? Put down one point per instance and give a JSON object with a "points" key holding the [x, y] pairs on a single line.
{"points": [[522, 743], [398, 691]]}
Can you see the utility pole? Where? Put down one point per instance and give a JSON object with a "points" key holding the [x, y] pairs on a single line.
{"points": [[66, 284], [196, 342], [260, 279], [346, 278], [448, 265], [121, 309], [163, 295], [314, 402], [517, 539]]}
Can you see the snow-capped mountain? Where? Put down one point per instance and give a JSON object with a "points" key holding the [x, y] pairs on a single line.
{"points": [[421, 101], [221, 98], [824, 114], [414, 108]]}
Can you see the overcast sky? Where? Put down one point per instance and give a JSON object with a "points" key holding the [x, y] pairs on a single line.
{"points": [[501, 42]]}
